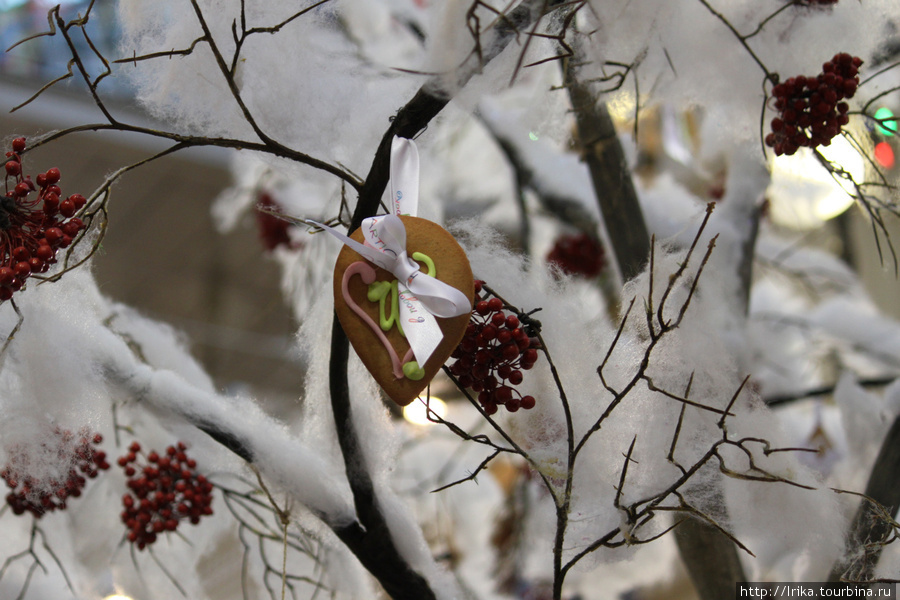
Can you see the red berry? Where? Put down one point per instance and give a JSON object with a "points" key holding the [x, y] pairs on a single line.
{"points": [[18, 145], [503, 395], [52, 176], [72, 227], [44, 252], [13, 168], [53, 235], [482, 357], [67, 208], [510, 351], [21, 253]]}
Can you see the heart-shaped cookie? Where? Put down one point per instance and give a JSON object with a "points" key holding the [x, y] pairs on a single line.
{"points": [[365, 299]]}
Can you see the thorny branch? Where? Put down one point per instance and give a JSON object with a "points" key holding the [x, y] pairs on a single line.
{"points": [[871, 204], [657, 327], [246, 33], [660, 319], [265, 145]]}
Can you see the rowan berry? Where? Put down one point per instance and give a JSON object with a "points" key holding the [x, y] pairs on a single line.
{"points": [[40, 495], [162, 495], [31, 224], [812, 110], [492, 354], [579, 254]]}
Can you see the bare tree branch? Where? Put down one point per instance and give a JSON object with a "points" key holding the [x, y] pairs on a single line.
{"points": [[608, 167]]}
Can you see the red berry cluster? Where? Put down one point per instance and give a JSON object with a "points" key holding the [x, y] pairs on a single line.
{"points": [[492, 355], [32, 229], [578, 254], [164, 491], [42, 496], [811, 109]]}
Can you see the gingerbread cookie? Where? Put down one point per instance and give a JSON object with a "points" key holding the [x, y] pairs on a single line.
{"points": [[373, 307]]}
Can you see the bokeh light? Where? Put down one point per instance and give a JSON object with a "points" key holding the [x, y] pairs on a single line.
{"points": [[884, 155], [887, 124], [417, 414], [803, 194]]}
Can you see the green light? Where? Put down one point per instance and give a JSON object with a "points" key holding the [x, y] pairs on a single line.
{"points": [[534, 137], [886, 122]]}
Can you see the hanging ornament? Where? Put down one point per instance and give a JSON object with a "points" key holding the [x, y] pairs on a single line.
{"points": [[403, 287]]}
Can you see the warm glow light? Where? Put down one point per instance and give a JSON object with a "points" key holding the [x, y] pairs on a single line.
{"points": [[117, 597], [803, 193], [417, 414]]}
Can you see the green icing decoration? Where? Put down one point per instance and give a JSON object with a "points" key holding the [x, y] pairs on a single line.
{"points": [[413, 371], [378, 292], [429, 264]]}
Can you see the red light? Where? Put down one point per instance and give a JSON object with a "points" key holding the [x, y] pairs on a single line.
{"points": [[884, 154]]}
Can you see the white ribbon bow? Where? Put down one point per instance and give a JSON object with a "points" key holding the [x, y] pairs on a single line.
{"points": [[422, 296]]}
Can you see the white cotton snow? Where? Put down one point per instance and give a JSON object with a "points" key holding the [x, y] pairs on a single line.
{"points": [[284, 98], [706, 345]]}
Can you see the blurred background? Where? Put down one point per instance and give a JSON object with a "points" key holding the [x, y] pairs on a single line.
{"points": [[162, 254]]}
